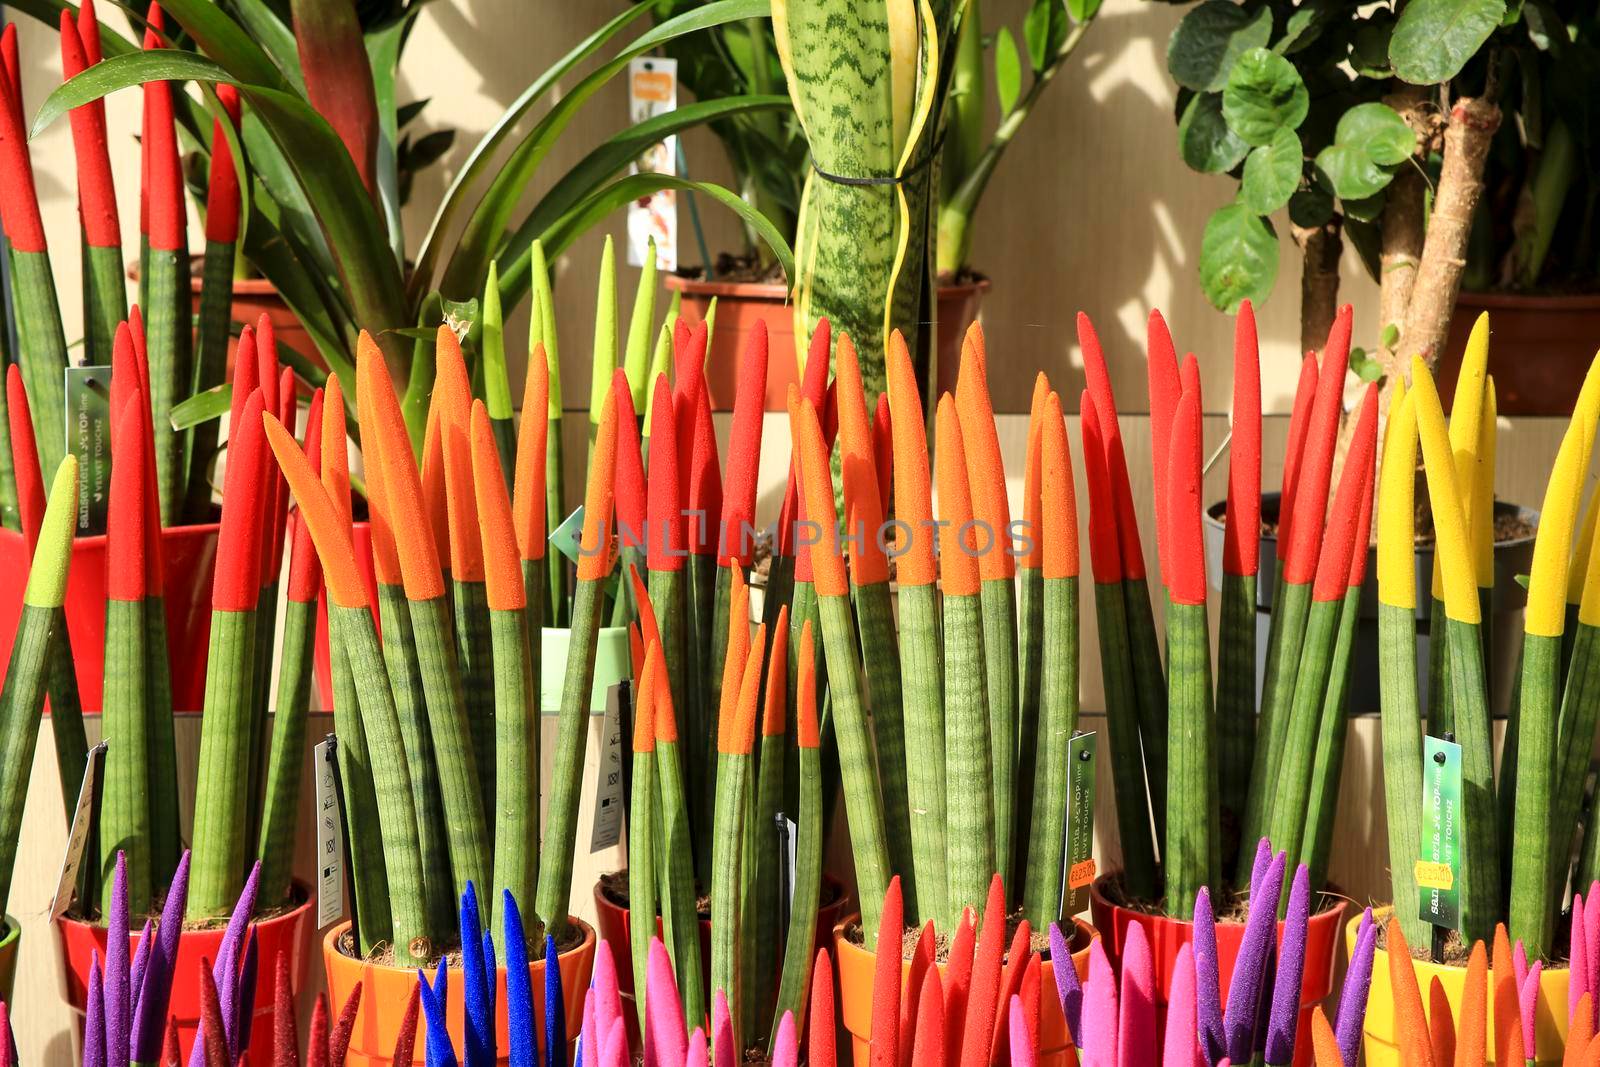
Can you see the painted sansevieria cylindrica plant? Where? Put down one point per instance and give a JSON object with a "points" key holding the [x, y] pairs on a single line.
{"points": [[1520, 831], [1189, 755]]}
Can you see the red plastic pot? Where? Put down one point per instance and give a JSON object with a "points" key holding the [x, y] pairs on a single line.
{"points": [[612, 922], [1168, 935], [856, 971], [252, 298], [190, 557], [282, 935], [386, 993], [740, 304]]}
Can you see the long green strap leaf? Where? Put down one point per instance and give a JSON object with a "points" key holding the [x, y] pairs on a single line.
{"points": [[1122, 736], [1236, 704], [922, 671], [1190, 856], [880, 656], [1058, 720], [1290, 609], [969, 767], [515, 720], [125, 807], [281, 804]]}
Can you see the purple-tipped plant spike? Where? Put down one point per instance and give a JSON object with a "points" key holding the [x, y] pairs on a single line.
{"points": [[1068, 987], [1207, 982], [1250, 971], [1285, 1014]]}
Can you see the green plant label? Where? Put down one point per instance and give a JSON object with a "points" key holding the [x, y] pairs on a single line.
{"points": [[567, 537], [330, 832], [1439, 868], [608, 801], [89, 439], [1078, 856], [78, 838]]}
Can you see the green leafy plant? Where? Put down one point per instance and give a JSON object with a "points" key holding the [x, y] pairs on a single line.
{"points": [[320, 226]]}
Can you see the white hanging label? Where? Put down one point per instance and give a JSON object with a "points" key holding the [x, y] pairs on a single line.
{"points": [[652, 91]]}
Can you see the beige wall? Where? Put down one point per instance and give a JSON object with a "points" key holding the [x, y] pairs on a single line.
{"points": [[1090, 209]]}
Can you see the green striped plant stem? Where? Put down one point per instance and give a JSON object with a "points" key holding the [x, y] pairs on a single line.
{"points": [[922, 672], [466, 830], [212, 328], [1580, 709], [644, 827], [281, 802], [165, 844], [748, 921], [680, 916], [880, 656], [405, 682], [1440, 719], [542, 330], [857, 762], [125, 809], [105, 300], [1402, 757], [368, 875], [795, 980], [572, 737], [1058, 719], [515, 719], [998, 665], [1189, 854], [1236, 703], [762, 932], [21, 703], [1030, 671], [1531, 914], [260, 736], [1480, 889], [709, 590], [10, 517], [1329, 761], [1291, 608], [969, 767], [400, 855], [496, 381], [66, 714], [1122, 737], [167, 324], [42, 351], [666, 594], [728, 933], [1286, 823], [475, 663], [1150, 689], [217, 870]]}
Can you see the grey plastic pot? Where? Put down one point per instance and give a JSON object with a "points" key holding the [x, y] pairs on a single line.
{"points": [[1511, 558]]}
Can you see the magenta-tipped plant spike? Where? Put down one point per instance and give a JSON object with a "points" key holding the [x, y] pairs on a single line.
{"points": [[664, 1008], [1137, 1034], [698, 1054], [786, 1053], [1579, 981], [605, 992], [1285, 1014], [1528, 1001], [724, 1050], [1181, 1044], [1098, 1042], [1024, 1049]]}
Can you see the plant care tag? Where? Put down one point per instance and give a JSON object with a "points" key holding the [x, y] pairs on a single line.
{"points": [[608, 804], [1438, 870], [653, 91], [1077, 866], [89, 439], [78, 838], [330, 832], [567, 537]]}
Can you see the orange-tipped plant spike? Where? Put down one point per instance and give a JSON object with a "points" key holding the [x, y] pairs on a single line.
{"points": [[1473, 1033], [1411, 1024], [1441, 1026], [1507, 1006]]}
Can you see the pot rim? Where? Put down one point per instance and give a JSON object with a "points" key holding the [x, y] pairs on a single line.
{"points": [[602, 900], [332, 951], [1339, 903], [195, 529], [1379, 914], [282, 918], [778, 292], [1083, 927], [1211, 516]]}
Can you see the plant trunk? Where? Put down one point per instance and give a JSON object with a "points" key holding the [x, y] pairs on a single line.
{"points": [[1405, 217], [1473, 121], [1320, 248]]}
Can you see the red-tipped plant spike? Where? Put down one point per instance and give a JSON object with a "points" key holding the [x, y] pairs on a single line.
{"points": [[744, 452], [97, 199], [1242, 544], [1305, 393], [1162, 368], [25, 458], [1316, 471], [666, 544], [1186, 583], [222, 188]]}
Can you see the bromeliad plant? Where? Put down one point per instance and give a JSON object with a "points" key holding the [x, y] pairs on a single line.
{"points": [[1536, 802], [323, 219], [1198, 743]]}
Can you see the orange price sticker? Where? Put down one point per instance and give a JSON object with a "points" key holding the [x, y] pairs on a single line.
{"points": [[1434, 875], [1081, 874]]}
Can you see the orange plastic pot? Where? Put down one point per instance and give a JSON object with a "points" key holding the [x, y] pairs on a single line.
{"points": [[282, 935], [190, 557], [741, 304], [252, 298], [856, 966], [1378, 1032], [1167, 936], [386, 993], [612, 919]]}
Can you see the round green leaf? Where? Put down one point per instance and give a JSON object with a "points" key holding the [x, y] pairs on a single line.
{"points": [[1007, 71], [1204, 139], [1303, 26], [1369, 45], [1367, 209], [1272, 173], [1379, 131], [1204, 46], [1238, 258], [1434, 39], [1350, 173], [1310, 208], [1264, 94]]}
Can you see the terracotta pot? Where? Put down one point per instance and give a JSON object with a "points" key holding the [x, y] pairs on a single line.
{"points": [[386, 992], [1168, 935], [856, 965], [740, 304], [190, 553], [1540, 348], [252, 298], [282, 935], [613, 923], [1550, 1035]]}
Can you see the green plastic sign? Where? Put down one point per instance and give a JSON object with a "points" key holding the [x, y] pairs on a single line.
{"points": [[1438, 870]]}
